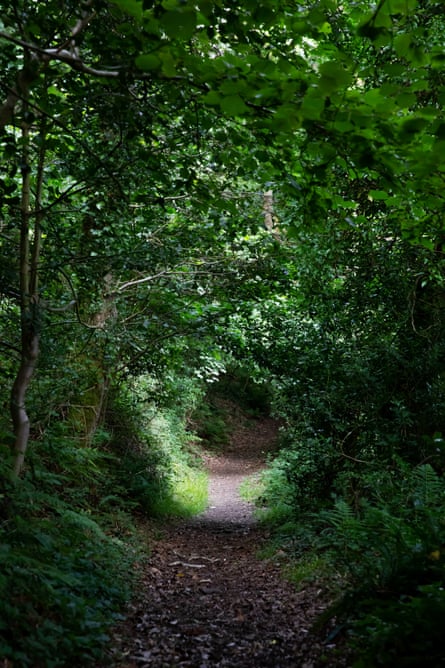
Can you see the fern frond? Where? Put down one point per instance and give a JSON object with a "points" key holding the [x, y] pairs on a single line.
{"points": [[428, 487], [342, 516]]}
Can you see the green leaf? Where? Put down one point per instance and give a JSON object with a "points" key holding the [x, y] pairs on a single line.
{"points": [[212, 98], [379, 195], [132, 7], [179, 24], [53, 90], [313, 105], [147, 62], [233, 87], [233, 105], [325, 28], [402, 44], [334, 75], [168, 63], [414, 125], [378, 100], [401, 6], [406, 100]]}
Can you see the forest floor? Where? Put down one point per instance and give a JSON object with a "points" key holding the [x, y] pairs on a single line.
{"points": [[205, 597]]}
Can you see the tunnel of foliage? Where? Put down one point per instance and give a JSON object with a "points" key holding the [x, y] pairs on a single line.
{"points": [[243, 196]]}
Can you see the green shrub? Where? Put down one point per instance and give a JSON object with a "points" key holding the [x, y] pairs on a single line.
{"points": [[67, 533], [63, 582], [209, 422], [155, 464], [405, 631], [248, 387], [392, 561]]}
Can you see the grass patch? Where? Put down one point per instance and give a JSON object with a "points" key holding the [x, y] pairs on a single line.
{"points": [[252, 488], [187, 496], [307, 569]]}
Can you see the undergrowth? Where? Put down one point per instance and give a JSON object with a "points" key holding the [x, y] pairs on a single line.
{"points": [[70, 546], [377, 545], [158, 465], [65, 572]]}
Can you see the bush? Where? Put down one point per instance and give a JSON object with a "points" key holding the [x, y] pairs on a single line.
{"points": [[393, 566], [67, 527], [63, 581], [155, 466]]}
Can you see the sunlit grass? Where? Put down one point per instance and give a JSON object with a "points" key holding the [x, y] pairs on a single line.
{"points": [[188, 496], [252, 488]]}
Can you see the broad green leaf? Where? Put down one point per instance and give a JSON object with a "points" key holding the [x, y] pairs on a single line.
{"points": [[179, 24], [233, 105], [377, 99], [148, 62], [378, 195], [313, 105], [233, 86], [414, 125], [406, 100], [401, 6], [325, 28], [205, 6], [132, 7], [168, 63], [53, 90], [383, 19], [402, 44], [212, 98], [334, 75]]}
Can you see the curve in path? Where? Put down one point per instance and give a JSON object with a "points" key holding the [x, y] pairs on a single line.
{"points": [[206, 600]]}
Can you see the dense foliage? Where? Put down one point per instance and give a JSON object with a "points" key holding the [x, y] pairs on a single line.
{"points": [[193, 192]]}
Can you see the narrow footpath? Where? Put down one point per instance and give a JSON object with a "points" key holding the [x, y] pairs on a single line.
{"points": [[206, 599]]}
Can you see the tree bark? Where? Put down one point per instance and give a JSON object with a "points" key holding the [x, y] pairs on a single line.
{"points": [[29, 298], [19, 415], [270, 221]]}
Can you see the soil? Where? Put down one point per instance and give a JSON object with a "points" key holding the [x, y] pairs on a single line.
{"points": [[206, 599]]}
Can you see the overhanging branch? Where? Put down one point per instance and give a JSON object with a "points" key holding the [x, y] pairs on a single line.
{"points": [[71, 57]]}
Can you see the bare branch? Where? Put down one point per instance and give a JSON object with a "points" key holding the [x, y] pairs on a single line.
{"points": [[59, 309], [146, 279], [9, 346], [73, 60], [69, 57]]}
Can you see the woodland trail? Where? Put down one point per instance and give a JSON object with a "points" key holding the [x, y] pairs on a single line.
{"points": [[206, 600]]}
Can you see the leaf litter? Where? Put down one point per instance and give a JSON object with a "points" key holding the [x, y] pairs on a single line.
{"points": [[206, 599]]}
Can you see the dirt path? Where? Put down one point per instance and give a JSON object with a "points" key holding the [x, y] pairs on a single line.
{"points": [[206, 599]]}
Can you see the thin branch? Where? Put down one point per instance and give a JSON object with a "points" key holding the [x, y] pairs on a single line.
{"points": [[140, 281], [101, 161], [71, 58], [84, 20], [38, 215], [9, 346], [150, 346], [73, 189], [76, 302], [59, 309], [170, 272], [343, 453]]}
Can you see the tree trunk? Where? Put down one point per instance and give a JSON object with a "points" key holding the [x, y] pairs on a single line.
{"points": [[270, 221], [19, 415], [29, 297]]}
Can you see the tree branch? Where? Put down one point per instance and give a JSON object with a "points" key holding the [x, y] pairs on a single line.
{"points": [[72, 57]]}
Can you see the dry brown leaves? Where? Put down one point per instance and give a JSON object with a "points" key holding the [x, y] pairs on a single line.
{"points": [[207, 600]]}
